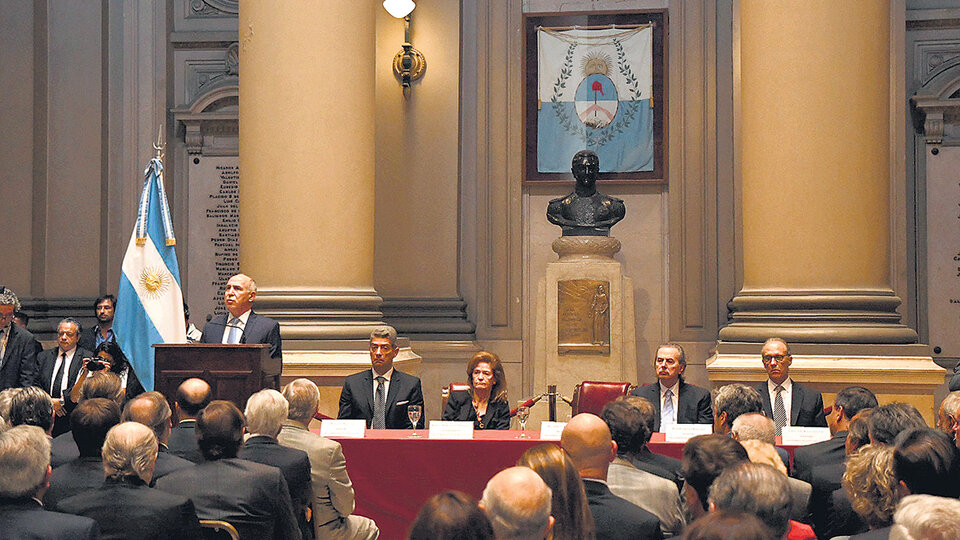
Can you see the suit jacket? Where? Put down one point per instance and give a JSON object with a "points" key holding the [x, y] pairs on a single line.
{"points": [[82, 474], [616, 517], [356, 399], [824, 515], [654, 494], [660, 465], [18, 367], [875, 534], [841, 519], [806, 405], [168, 463], [63, 450], [46, 361], [183, 441], [693, 403], [460, 408], [831, 451], [332, 490], [88, 338], [293, 463], [259, 329], [252, 497], [126, 509], [26, 518]]}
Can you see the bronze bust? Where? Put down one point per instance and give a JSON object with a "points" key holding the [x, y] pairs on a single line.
{"points": [[586, 211]]}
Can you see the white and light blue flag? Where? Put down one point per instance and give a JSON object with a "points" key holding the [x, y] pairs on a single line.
{"points": [[595, 89], [150, 301]]}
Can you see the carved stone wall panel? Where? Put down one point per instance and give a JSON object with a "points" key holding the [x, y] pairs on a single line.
{"points": [[198, 71], [205, 15]]}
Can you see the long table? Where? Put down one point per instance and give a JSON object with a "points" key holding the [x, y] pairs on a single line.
{"points": [[394, 474]]}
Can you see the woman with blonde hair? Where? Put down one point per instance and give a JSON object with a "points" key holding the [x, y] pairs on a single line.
{"points": [[570, 510], [872, 486], [485, 404]]}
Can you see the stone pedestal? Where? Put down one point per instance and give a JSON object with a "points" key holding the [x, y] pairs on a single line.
{"points": [[585, 320]]}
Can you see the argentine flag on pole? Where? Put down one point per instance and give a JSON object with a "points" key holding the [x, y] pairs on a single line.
{"points": [[150, 302]]}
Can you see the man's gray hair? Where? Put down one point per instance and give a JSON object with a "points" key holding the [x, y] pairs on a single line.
{"points": [[951, 404], [32, 406], [926, 517], [159, 412], [130, 449], [754, 426], [24, 458], [70, 320], [6, 397], [266, 410], [385, 332], [755, 489], [303, 396], [8, 298], [736, 399], [518, 514]]}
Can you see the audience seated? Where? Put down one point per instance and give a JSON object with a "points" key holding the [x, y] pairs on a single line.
{"points": [[6, 396], [872, 487], [756, 426], [265, 412], [888, 421], [646, 460], [731, 401], [926, 517], [90, 422], [24, 477], [451, 515], [192, 396], [151, 409], [333, 500], [724, 525], [571, 512], [947, 416], [704, 458], [586, 439], [821, 464], [517, 503], [926, 462], [33, 407], [833, 515], [654, 494], [250, 496], [762, 491], [756, 433], [124, 506], [101, 385]]}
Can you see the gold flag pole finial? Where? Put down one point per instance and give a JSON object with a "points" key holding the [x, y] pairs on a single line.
{"points": [[159, 144]]}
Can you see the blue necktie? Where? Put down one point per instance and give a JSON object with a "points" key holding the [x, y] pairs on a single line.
{"points": [[233, 337], [667, 416]]}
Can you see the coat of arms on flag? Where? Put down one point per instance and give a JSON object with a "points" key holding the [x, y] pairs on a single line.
{"points": [[595, 92]]}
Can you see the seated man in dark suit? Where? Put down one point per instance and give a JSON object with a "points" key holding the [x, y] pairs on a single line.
{"points": [[18, 362], [642, 458], [586, 439], [384, 405], [104, 308], [243, 325], [192, 396], [151, 410], [266, 410], [252, 497], [731, 401], [517, 502], [789, 403], [91, 421], [761, 490], [58, 369], [675, 401], [123, 505], [24, 477]]}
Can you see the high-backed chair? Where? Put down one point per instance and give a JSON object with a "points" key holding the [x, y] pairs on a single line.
{"points": [[445, 393], [214, 529], [591, 396]]}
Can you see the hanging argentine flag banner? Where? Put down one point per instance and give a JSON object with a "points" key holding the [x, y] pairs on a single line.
{"points": [[595, 90], [150, 302]]}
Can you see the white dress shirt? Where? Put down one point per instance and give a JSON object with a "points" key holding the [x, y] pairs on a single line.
{"points": [[241, 326], [65, 382], [786, 394]]}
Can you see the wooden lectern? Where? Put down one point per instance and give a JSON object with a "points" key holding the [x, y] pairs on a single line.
{"points": [[234, 372]]}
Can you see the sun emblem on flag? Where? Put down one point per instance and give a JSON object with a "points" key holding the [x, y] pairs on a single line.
{"points": [[155, 281]]}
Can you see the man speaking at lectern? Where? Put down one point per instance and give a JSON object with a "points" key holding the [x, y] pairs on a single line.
{"points": [[241, 324]]}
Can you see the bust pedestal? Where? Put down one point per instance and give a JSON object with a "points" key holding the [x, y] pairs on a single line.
{"points": [[585, 320]]}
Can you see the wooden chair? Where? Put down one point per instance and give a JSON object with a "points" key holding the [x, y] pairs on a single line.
{"points": [[214, 529], [591, 396]]}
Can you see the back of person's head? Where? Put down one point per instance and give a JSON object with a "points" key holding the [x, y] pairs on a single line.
{"points": [[871, 485], [887, 421], [755, 489], [926, 517], [569, 507], [219, 430], [854, 399], [130, 449], [24, 461], [728, 525], [764, 453], [926, 461], [90, 421], [736, 399], [858, 432], [303, 398], [754, 426], [586, 439], [33, 407], [150, 409], [192, 396], [705, 457], [627, 424], [451, 515], [6, 398], [103, 384], [517, 503], [265, 412]]}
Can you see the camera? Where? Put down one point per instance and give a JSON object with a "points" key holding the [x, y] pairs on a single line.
{"points": [[94, 364]]}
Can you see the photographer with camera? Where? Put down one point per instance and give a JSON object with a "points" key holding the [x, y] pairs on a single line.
{"points": [[109, 357]]}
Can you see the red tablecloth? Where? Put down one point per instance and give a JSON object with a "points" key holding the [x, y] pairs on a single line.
{"points": [[393, 474]]}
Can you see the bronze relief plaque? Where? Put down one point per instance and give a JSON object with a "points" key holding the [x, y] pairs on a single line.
{"points": [[583, 316]]}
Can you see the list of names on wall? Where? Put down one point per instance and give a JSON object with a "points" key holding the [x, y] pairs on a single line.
{"points": [[224, 211], [943, 250]]}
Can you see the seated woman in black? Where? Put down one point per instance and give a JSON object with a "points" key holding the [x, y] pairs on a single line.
{"points": [[486, 401], [112, 359]]}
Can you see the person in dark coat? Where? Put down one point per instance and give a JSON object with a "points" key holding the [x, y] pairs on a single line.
{"points": [[682, 402], [192, 396], [18, 361], [151, 409], [485, 404]]}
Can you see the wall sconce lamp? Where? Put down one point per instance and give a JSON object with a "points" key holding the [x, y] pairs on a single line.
{"points": [[409, 63]]}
